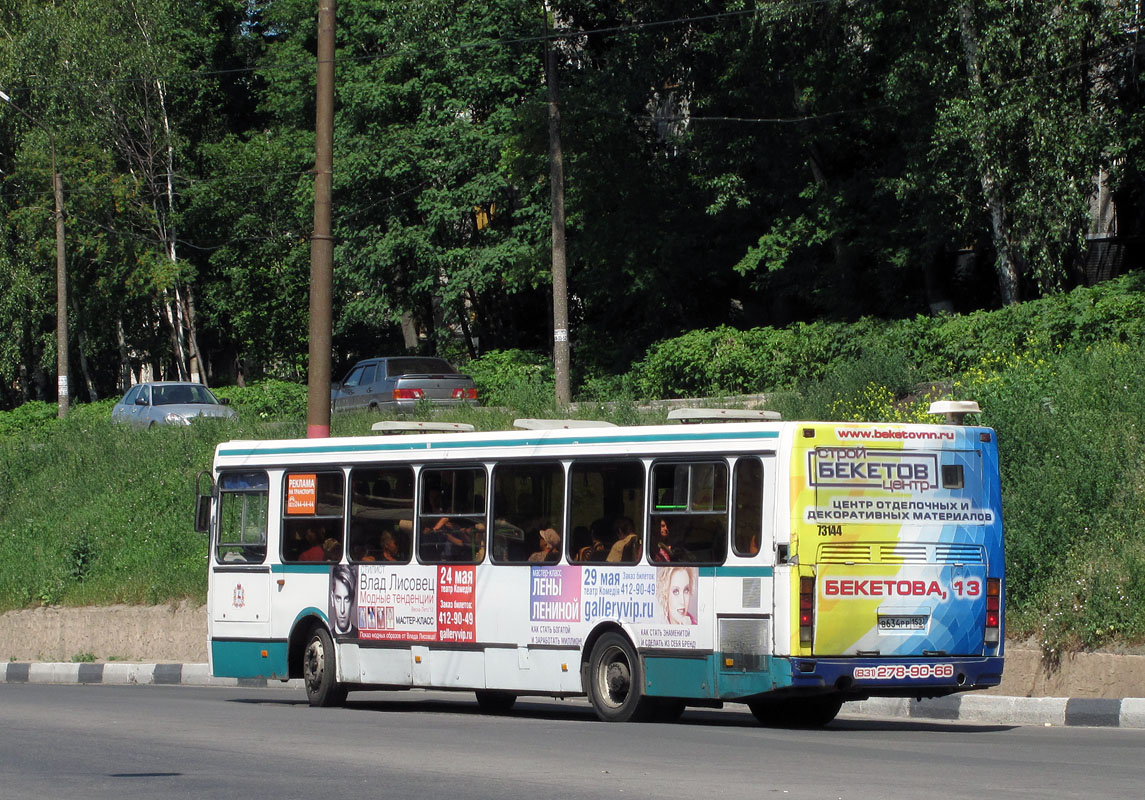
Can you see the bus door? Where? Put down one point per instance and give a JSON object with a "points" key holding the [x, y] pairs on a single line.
{"points": [[240, 577], [744, 585], [900, 540]]}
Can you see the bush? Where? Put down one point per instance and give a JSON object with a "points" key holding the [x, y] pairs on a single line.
{"points": [[896, 354], [517, 379], [29, 417], [269, 399]]}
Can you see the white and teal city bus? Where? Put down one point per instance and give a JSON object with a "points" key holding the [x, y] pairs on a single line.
{"points": [[790, 566]]}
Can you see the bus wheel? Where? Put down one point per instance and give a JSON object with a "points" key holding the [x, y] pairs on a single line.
{"points": [[491, 701], [797, 712], [318, 672], [615, 681]]}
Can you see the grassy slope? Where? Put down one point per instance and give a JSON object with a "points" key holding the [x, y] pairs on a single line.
{"points": [[95, 514]]}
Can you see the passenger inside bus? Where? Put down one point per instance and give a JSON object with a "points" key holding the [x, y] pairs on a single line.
{"points": [[315, 548], [583, 546], [389, 550], [626, 549], [550, 549], [662, 544], [600, 531], [453, 539]]}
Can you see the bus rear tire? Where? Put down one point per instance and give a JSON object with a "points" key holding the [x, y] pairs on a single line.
{"points": [[491, 701], [319, 671], [616, 681], [797, 712]]}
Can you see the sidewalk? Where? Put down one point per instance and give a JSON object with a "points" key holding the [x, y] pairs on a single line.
{"points": [[978, 708]]}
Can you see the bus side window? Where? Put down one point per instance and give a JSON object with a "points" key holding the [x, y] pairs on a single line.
{"points": [[689, 519], [606, 502], [528, 509], [312, 516], [243, 504], [381, 515], [451, 516], [747, 500]]}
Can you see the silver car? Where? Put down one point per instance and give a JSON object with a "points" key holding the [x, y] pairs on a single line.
{"points": [[169, 403], [400, 383]]}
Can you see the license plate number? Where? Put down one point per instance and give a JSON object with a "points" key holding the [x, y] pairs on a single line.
{"points": [[902, 622]]}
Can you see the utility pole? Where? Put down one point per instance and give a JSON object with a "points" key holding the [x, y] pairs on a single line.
{"points": [[322, 241], [62, 394], [560, 271]]}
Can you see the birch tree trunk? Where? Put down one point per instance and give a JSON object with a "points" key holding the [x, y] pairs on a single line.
{"points": [[1005, 266]]}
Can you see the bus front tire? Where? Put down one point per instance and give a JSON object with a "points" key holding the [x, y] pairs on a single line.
{"points": [[491, 701], [319, 672], [797, 712], [616, 681]]}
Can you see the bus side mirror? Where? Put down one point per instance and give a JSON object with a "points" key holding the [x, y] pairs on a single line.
{"points": [[202, 513], [203, 503]]}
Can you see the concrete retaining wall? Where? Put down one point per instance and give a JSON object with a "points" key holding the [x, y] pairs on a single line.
{"points": [[111, 633]]}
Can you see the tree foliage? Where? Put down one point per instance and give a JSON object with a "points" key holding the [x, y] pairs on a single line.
{"points": [[726, 163]]}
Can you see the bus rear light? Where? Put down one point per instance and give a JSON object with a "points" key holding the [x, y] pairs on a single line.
{"points": [[993, 624], [806, 610], [408, 394]]}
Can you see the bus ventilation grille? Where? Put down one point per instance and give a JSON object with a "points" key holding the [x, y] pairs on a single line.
{"points": [[901, 553], [752, 592], [744, 642]]}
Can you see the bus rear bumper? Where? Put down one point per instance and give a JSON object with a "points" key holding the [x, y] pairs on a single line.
{"points": [[896, 677]]}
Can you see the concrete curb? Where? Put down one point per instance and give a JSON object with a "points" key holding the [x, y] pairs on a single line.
{"points": [[124, 674], [981, 709]]}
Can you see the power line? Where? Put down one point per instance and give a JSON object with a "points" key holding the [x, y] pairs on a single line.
{"points": [[555, 34]]}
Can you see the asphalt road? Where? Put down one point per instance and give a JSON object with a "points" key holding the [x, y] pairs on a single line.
{"points": [[124, 742]]}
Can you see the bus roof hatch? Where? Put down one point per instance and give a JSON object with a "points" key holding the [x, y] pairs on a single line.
{"points": [[558, 424], [955, 411], [691, 415], [404, 427]]}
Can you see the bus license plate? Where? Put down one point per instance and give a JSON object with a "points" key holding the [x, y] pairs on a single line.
{"points": [[902, 622]]}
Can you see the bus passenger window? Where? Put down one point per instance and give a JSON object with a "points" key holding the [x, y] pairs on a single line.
{"points": [[747, 500], [381, 515], [451, 520], [689, 519], [528, 512], [243, 503], [606, 501], [312, 516]]}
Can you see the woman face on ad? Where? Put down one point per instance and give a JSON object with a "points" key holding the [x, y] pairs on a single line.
{"points": [[679, 598]]}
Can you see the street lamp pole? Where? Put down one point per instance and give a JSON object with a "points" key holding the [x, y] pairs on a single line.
{"points": [[61, 270]]}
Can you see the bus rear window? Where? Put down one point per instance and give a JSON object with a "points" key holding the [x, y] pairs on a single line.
{"points": [[953, 477]]}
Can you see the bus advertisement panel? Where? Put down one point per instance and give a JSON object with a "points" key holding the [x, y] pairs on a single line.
{"points": [[903, 531]]}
